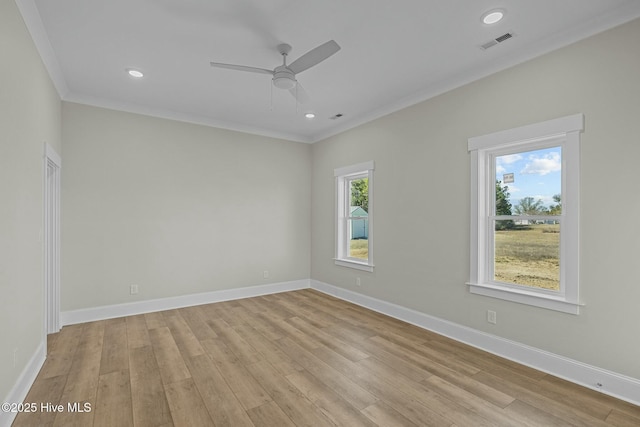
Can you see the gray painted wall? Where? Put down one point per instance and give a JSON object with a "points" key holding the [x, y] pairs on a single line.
{"points": [[422, 255], [176, 208], [29, 117]]}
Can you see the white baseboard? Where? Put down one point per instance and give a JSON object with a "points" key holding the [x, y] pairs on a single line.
{"points": [[607, 382], [148, 306], [19, 391]]}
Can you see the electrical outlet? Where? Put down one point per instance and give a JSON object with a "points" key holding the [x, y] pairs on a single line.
{"points": [[133, 289], [491, 317], [265, 274], [358, 283]]}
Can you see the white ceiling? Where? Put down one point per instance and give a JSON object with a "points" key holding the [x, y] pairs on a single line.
{"points": [[394, 53]]}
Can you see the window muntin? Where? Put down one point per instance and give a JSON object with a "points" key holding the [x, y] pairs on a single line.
{"points": [[489, 153], [354, 191]]}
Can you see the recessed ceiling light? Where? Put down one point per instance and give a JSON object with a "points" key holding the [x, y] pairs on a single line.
{"points": [[309, 115], [135, 73], [493, 16]]}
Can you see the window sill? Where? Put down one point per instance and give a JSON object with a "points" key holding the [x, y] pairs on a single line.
{"points": [[358, 265], [549, 302]]}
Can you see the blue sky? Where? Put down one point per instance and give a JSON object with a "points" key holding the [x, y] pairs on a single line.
{"points": [[537, 174]]}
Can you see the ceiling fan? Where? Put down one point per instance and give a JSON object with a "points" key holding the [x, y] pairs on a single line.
{"points": [[284, 76]]}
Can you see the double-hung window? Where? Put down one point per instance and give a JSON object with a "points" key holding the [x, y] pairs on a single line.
{"points": [[525, 203], [354, 216]]}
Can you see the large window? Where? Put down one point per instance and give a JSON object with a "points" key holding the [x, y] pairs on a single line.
{"points": [[525, 214], [354, 216]]}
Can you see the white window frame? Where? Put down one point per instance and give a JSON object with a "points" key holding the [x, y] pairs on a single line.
{"points": [[343, 176], [565, 133]]}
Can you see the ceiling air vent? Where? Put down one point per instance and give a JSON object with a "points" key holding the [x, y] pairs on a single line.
{"points": [[497, 40]]}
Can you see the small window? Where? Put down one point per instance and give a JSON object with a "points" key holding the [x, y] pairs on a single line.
{"points": [[354, 216], [525, 214]]}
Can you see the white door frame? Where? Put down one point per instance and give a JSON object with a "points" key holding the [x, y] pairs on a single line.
{"points": [[52, 166]]}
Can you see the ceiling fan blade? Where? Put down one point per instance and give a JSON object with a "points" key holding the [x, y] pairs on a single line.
{"points": [[299, 94], [314, 56], [242, 68]]}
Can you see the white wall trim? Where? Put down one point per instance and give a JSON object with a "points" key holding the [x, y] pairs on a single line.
{"points": [[51, 246], [129, 309], [19, 391], [613, 384]]}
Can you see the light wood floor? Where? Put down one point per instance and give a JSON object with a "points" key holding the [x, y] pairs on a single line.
{"points": [[296, 359]]}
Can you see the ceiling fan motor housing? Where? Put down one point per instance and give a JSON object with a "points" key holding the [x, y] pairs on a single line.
{"points": [[283, 78]]}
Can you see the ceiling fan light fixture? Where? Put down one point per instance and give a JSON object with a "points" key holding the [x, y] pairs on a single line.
{"points": [[135, 73], [493, 16], [284, 82]]}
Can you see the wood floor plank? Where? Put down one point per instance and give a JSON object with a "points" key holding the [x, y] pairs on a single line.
{"points": [[297, 335], [483, 360], [292, 402], [244, 316], [384, 415], [420, 406], [350, 333], [332, 405], [252, 305], [197, 322], [76, 395], [113, 400], [480, 405], [269, 415], [266, 325], [59, 360], [338, 382], [115, 347], [185, 339], [51, 341], [423, 406], [590, 401], [295, 358], [170, 361], [154, 320], [384, 385], [621, 419], [223, 406], [85, 367], [320, 336], [149, 402], [534, 396], [269, 350], [274, 310], [187, 407], [80, 389], [399, 363], [622, 406], [533, 417], [238, 345], [92, 336], [459, 379], [137, 332], [44, 390], [303, 311], [245, 387]]}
